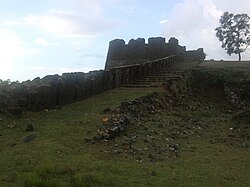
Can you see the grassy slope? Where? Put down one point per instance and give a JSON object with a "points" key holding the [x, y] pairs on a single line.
{"points": [[59, 156]]}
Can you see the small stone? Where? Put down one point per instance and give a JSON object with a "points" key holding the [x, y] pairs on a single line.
{"points": [[244, 145], [174, 148], [1, 119], [29, 128], [107, 110], [105, 120], [151, 156], [105, 151], [11, 126], [29, 138], [46, 110], [212, 141]]}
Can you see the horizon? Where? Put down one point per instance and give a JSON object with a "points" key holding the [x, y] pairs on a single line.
{"points": [[55, 37]]}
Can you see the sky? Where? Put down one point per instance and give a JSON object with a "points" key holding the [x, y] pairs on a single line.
{"points": [[39, 38]]}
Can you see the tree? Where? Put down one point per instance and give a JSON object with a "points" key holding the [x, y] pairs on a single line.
{"points": [[234, 33]]}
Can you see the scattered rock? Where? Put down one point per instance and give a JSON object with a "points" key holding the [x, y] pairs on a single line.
{"points": [[89, 140], [29, 138], [174, 148], [106, 110], [46, 110], [1, 119], [11, 126], [212, 141], [29, 128], [245, 145]]}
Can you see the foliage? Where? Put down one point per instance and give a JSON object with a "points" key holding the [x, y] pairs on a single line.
{"points": [[60, 156], [234, 33]]}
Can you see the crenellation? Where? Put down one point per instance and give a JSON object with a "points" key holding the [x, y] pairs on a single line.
{"points": [[156, 41], [125, 63], [137, 51]]}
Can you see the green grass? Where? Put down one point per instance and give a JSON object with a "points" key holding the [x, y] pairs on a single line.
{"points": [[59, 155]]}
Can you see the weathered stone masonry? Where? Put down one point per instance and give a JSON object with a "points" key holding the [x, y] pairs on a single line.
{"points": [[137, 51], [55, 90], [125, 64]]}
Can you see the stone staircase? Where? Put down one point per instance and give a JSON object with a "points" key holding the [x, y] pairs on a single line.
{"points": [[162, 79]]}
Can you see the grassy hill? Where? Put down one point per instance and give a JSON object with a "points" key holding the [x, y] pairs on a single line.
{"points": [[197, 139]]}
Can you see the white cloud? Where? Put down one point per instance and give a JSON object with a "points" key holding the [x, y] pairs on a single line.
{"points": [[163, 21], [42, 42], [11, 47], [91, 8], [67, 24], [60, 12], [11, 23], [193, 23]]}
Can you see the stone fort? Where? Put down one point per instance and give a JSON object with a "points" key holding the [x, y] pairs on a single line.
{"points": [[125, 63], [137, 51]]}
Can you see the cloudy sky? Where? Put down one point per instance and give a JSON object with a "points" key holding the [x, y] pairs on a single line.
{"points": [[40, 37]]}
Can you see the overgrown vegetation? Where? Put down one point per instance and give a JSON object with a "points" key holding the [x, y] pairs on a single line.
{"points": [[211, 152]]}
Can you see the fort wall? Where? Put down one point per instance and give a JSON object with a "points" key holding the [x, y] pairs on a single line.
{"points": [[125, 63], [54, 90], [138, 51]]}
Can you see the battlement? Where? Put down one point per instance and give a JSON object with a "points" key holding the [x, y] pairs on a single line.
{"points": [[138, 51]]}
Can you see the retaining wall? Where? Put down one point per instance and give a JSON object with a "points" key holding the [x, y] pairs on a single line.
{"points": [[54, 90]]}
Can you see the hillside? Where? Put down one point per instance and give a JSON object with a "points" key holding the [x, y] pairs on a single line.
{"points": [[189, 128]]}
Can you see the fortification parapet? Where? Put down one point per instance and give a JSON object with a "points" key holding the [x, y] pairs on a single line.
{"points": [[173, 41], [137, 42], [158, 41], [137, 51]]}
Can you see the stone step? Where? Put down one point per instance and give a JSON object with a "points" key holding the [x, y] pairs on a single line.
{"points": [[159, 78], [163, 79], [166, 74], [153, 81], [172, 71], [140, 86]]}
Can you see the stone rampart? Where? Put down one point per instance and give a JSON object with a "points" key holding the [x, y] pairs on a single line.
{"points": [[197, 55], [54, 90], [137, 51]]}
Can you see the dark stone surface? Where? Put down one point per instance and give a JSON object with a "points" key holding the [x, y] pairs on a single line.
{"points": [[29, 138], [29, 128], [137, 51], [54, 90]]}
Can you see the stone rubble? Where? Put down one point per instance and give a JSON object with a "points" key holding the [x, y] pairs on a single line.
{"points": [[152, 144]]}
